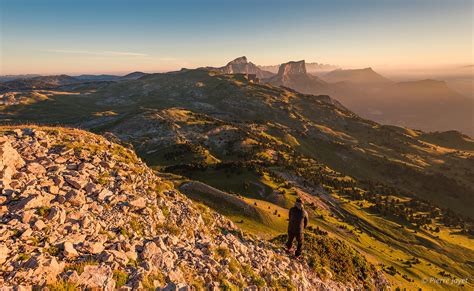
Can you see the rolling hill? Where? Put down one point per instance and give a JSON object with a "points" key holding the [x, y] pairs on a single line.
{"points": [[365, 76], [21, 83]]}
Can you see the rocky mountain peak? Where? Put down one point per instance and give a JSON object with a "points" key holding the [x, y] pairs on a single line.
{"points": [[241, 65], [239, 60], [292, 68]]}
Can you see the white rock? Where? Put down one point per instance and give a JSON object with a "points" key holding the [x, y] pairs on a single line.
{"points": [[138, 202], [97, 277], [35, 169], [44, 270], [104, 194], [39, 225], [94, 247], [4, 252], [68, 250], [9, 157]]}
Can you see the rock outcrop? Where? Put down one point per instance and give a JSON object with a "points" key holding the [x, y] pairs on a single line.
{"points": [[10, 161], [292, 69], [242, 66], [83, 211], [293, 75], [312, 68]]}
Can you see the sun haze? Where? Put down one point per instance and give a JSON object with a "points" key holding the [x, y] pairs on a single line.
{"points": [[53, 36]]}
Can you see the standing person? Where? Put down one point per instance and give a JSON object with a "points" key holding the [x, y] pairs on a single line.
{"points": [[298, 219]]}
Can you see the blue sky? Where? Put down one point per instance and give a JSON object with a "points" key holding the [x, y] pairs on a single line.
{"points": [[72, 36]]}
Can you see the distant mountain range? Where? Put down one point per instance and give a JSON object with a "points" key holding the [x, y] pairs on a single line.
{"points": [[424, 104], [97, 77], [133, 76], [365, 76], [6, 78], [25, 82], [458, 78]]}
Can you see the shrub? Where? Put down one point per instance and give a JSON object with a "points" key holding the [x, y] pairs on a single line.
{"points": [[165, 210], [43, 211], [169, 227], [123, 231], [148, 280], [120, 278], [23, 256], [234, 266], [62, 286], [52, 250], [136, 226], [390, 270], [79, 267], [249, 273], [222, 252]]}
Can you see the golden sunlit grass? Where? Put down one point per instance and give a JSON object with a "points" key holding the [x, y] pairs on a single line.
{"points": [[105, 113]]}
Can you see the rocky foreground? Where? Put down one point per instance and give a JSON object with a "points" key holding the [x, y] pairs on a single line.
{"points": [[78, 211]]}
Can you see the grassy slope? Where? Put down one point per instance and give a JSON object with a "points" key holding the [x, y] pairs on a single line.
{"points": [[383, 241]]}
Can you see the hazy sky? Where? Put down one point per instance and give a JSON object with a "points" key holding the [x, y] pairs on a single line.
{"points": [[105, 36]]}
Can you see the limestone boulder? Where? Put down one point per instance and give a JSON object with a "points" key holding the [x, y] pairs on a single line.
{"points": [[97, 277]]}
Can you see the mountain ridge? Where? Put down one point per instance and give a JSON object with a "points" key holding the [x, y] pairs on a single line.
{"points": [[366, 76], [414, 104]]}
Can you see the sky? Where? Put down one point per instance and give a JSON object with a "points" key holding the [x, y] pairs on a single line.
{"points": [[120, 36]]}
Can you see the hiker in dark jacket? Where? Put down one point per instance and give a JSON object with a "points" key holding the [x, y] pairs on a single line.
{"points": [[296, 225]]}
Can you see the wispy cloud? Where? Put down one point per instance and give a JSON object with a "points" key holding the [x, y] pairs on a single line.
{"points": [[97, 53]]}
